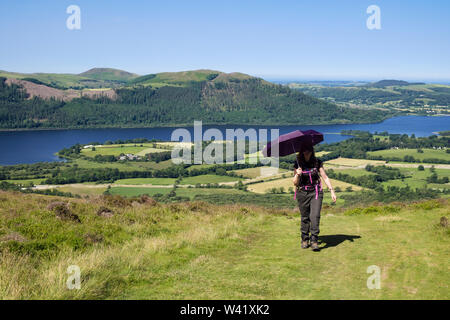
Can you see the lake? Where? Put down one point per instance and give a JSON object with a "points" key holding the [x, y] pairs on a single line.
{"points": [[36, 146]]}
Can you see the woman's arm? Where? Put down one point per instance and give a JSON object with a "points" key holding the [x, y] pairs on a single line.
{"points": [[297, 173], [327, 181]]}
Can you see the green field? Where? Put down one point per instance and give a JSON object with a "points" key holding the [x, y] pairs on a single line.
{"points": [[417, 179], [354, 172], [252, 173], [400, 153], [204, 251], [202, 179], [208, 178], [184, 192], [111, 151], [123, 165], [25, 181], [116, 150], [83, 190], [155, 181], [350, 162]]}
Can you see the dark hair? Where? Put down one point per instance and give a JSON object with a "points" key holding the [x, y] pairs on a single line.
{"points": [[301, 158]]}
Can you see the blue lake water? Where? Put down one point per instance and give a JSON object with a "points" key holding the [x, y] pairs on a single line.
{"points": [[35, 146]]}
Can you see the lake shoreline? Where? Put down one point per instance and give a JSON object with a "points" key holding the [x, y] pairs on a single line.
{"points": [[40, 145], [184, 125]]}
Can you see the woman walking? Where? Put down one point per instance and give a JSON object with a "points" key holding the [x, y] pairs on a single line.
{"points": [[309, 194]]}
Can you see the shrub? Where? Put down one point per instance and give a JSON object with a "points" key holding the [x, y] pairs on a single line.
{"points": [[62, 211], [428, 205], [104, 212], [374, 210], [116, 201]]}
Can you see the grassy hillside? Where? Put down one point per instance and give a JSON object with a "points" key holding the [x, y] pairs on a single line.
{"points": [[426, 154], [177, 99], [390, 83], [409, 98], [93, 78], [175, 78], [57, 80], [144, 250], [108, 74]]}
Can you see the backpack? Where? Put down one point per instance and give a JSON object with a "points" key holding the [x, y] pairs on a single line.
{"points": [[311, 180]]}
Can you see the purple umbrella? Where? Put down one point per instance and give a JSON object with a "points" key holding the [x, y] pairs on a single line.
{"points": [[293, 142]]}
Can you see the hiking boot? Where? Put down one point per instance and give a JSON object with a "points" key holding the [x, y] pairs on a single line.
{"points": [[305, 244], [315, 246]]}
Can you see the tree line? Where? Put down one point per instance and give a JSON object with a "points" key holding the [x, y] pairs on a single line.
{"points": [[248, 101], [109, 175]]}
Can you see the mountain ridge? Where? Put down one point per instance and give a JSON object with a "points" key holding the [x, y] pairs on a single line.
{"points": [[108, 74], [96, 78], [166, 98], [391, 82]]}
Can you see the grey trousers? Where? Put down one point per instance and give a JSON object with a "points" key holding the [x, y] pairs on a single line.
{"points": [[310, 213]]}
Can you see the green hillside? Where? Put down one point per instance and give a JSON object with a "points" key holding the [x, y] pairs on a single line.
{"points": [[179, 99], [139, 249], [399, 96], [390, 83], [56, 80], [175, 78], [93, 78], [186, 78], [108, 74]]}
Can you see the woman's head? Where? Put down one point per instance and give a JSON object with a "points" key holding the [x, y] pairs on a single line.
{"points": [[306, 154], [307, 151]]}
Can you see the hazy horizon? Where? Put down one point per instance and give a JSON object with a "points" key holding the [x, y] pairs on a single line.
{"points": [[270, 78], [322, 40]]}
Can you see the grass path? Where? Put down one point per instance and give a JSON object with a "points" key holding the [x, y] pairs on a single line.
{"points": [[204, 251], [268, 263]]}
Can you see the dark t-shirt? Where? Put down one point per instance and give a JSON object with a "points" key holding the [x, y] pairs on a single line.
{"points": [[309, 165], [304, 178]]}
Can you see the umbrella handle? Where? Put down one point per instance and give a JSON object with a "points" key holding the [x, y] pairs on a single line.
{"points": [[296, 160]]}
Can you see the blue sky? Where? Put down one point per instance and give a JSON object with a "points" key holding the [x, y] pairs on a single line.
{"points": [[273, 39]]}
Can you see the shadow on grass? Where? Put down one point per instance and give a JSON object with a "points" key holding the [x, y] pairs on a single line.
{"points": [[335, 240]]}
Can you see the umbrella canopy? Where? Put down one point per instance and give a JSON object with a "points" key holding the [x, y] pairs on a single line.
{"points": [[293, 142]]}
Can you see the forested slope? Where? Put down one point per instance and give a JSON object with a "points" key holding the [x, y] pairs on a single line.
{"points": [[164, 99]]}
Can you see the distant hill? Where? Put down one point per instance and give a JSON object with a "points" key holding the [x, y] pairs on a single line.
{"points": [[93, 78], [184, 78], [168, 98], [108, 74], [402, 96], [388, 83], [54, 80]]}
